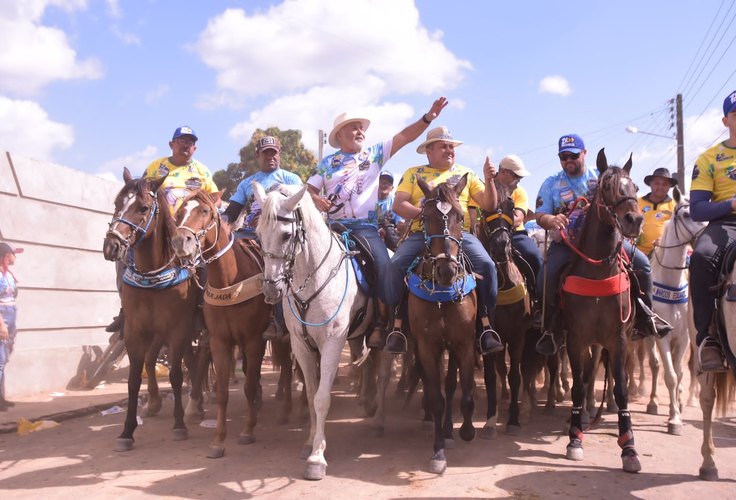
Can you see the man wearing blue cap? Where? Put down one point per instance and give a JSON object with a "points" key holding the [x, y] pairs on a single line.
{"points": [[554, 201], [713, 199], [390, 225]]}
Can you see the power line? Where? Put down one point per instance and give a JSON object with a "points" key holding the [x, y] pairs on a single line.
{"points": [[680, 86]]}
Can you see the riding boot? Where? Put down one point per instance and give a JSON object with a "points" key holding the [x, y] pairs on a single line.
{"points": [[550, 341], [647, 321], [117, 323], [396, 342], [489, 341], [377, 338]]}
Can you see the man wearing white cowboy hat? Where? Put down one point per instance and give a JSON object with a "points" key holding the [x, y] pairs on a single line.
{"points": [[657, 207], [346, 184], [441, 167]]}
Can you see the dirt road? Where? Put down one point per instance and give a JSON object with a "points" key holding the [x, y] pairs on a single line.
{"points": [[75, 460]]}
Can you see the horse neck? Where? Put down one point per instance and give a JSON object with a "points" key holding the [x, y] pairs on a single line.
{"points": [[598, 239], [507, 270], [668, 258], [315, 248], [155, 251], [232, 266]]}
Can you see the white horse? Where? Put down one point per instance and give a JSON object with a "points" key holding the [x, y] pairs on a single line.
{"points": [[308, 268], [671, 303]]}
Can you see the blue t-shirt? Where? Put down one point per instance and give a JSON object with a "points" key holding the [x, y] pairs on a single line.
{"points": [[384, 212], [560, 190], [244, 194]]}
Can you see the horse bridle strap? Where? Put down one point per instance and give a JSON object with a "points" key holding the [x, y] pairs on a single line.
{"points": [[499, 215], [136, 228]]}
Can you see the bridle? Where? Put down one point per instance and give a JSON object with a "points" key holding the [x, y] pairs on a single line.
{"points": [[137, 229], [444, 208], [692, 237], [200, 236], [504, 223]]}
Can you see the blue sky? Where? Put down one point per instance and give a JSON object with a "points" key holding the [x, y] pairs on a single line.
{"points": [[99, 84]]}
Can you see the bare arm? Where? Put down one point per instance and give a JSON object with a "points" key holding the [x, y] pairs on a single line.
{"points": [[322, 203], [488, 200], [404, 208], [414, 130]]}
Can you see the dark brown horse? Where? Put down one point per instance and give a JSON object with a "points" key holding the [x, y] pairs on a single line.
{"points": [[595, 314], [234, 310], [437, 326], [513, 312], [141, 230]]}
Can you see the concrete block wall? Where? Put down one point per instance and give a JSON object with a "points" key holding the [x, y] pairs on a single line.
{"points": [[67, 289]]}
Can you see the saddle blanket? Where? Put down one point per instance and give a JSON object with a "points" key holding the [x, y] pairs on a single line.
{"points": [[165, 279], [670, 295], [432, 292], [585, 287]]}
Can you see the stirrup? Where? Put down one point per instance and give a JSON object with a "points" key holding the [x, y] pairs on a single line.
{"points": [[714, 361], [396, 342], [545, 341], [495, 342]]}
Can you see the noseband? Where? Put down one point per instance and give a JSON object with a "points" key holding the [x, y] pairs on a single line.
{"points": [[444, 207], [298, 238], [199, 235], [137, 229]]}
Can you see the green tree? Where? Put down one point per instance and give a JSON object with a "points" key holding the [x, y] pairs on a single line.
{"points": [[294, 158]]}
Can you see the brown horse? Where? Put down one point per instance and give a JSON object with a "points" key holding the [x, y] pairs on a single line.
{"points": [[141, 230], [595, 314], [513, 312], [234, 310], [437, 326]]}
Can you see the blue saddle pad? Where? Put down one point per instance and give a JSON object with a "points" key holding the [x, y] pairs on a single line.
{"points": [[165, 279], [432, 292], [360, 276]]}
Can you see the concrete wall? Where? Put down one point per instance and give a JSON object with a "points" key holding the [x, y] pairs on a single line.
{"points": [[67, 289]]}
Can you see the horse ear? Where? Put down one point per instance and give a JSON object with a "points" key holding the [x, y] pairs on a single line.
{"points": [[601, 161], [291, 203], [461, 184], [126, 175], [258, 192], [676, 194], [155, 184], [216, 197], [423, 186], [629, 163]]}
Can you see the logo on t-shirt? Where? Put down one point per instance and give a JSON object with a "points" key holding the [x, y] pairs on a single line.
{"points": [[696, 172]]}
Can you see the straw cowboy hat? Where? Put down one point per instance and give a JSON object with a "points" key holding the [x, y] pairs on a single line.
{"points": [[661, 172], [342, 120], [437, 134], [514, 164]]}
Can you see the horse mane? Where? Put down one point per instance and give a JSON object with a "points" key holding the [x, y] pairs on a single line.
{"points": [[446, 193], [311, 217]]}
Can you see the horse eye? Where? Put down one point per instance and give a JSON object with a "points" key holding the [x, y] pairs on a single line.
{"points": [[285, 237], [143, 209], [686, 215]]}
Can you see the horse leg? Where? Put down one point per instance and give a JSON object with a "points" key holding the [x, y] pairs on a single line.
{"points": [[489, 378], [221, 350], [674, 423], [502, 370], [307, 362], [329, 360], [153, 405], [197, 363], [629, 457], [554, 366], [513, 425], [708, 469], [176, 378], [282, 356], [430, 358], [450, 387], [368, 386], [652, 348], [384, 360], [253, 350], [575, 446], [125, 440], [466, 361]]}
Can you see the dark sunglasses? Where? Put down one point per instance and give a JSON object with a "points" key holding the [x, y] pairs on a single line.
{"points": [[569, 156]]}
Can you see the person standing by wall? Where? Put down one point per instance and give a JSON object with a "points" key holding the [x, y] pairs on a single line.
{"points": [[8, 313]]}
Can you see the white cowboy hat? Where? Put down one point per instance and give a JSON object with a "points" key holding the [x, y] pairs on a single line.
{"points": [[437, 134], [342, 120]]}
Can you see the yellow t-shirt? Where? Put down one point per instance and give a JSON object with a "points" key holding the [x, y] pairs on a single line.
{"points": [[434, 177], [181, 181], [715, 171], [655, 216]]}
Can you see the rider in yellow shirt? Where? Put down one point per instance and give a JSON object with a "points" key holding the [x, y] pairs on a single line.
{"points": [[657, 207]]}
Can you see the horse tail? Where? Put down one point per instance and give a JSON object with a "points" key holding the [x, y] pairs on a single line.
{"points": [[725, 386]]}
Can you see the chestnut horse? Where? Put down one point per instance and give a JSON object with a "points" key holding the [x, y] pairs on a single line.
{"points": [[234, 310], [161, 306], [450, 325], [602, 315]]}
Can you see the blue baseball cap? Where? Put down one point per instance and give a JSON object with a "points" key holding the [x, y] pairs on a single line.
{"points": [[184, 130], [386, 173], [571, 143], [729, 103]]}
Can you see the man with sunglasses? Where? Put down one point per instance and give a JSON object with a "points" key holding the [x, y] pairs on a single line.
{"points": [[554, 201], [183, 175]]}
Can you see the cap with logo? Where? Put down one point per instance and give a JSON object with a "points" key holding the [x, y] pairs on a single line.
{"points": [[268, 142], [729, 103], [571, 143], [514, 164], [184, 130]]}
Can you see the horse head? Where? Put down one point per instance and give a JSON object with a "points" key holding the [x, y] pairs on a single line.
{"points": [[443, 219], [282, 235], [198, 225], [136, 207], [498, 226], [615, 201]]}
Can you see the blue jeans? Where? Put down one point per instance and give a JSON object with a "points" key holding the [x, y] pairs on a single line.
{"points": [[481, 262], [9, 314], [529, 251], [378, 249], [559, 255]]}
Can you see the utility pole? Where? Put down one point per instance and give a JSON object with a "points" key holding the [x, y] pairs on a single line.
{"points": [[680, 146], [320, 150]]}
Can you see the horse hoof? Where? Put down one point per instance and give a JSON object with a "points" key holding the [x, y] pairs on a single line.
{"points": [[674, 429], [467, 432], [560, 396], [315, 472], [306, 452], [488, 433], [216, 452], [124, 444], [246, 439], [437, 466], [611, 408], [652, 409], [574, 453], [708, 474], [179, 434], [449, 443], [631, 463], [513, 430]]}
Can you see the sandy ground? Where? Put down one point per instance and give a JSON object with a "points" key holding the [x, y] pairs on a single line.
{"points": [[76, 459]]}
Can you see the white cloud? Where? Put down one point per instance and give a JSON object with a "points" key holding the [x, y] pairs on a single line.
{"points": [[555, 84], [34, 55], [125, 37], [26, 129], [301, 44], [136, 163], [154, 95]]}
